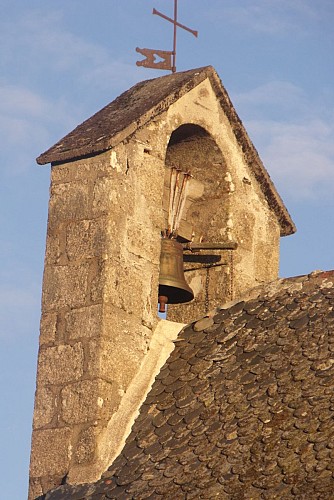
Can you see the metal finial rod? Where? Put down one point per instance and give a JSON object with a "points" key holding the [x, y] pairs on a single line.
{"points": [[174, 38], [168, 57]]}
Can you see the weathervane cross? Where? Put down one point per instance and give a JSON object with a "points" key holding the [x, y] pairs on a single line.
{"points": [[168, 61]]}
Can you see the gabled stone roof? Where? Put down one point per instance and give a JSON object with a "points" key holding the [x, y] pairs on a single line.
{"points": [[143, 102], [124, 115], [243, 408]]}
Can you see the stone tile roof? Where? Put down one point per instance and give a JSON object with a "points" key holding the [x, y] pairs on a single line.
{"points": [[243, 408], [143, 102], [124, 115]]}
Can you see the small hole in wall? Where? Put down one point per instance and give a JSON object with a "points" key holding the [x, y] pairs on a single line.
{"points": [[147, 151]]}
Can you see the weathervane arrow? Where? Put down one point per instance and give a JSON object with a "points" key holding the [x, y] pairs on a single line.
{"points": [[150, 61], [168, 58]]}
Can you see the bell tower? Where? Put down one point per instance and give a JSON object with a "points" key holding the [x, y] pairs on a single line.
{"points": [[167, 161]]}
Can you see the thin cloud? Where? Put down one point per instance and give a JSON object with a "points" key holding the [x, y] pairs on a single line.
{"points": [[297, 143], [40, 34], [26, 120], [277, 93], [37, 50], [52, 50], [276, 17], [18, 101], [113, 74], [299, 157], [68, 51]]}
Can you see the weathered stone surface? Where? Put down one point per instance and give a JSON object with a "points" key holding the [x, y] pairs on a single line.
{"points": [[48, 328], [268, 264], [69, 201], [86, 239], [87, 401], [44, 410], [79, 170], [119, 277], [107, 359], [65, 286], [47, 461], [55, 253], [139, 241], [97, 280], [108, 197], [86, 447], [35, 488], [84, 323], [61, 364]]}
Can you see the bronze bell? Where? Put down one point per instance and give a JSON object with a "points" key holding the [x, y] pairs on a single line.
{"points": [[173, 288]]}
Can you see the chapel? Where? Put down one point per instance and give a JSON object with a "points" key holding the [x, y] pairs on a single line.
{"points": [[160, 200]]}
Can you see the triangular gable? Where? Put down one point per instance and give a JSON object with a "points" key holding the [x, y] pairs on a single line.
{"points": [[142, 103]]}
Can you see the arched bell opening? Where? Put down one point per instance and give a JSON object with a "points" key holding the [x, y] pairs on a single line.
{"points": [[196, 208]]}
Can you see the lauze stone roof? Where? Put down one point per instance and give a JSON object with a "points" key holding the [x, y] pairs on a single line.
{"points": [[243, 408]]}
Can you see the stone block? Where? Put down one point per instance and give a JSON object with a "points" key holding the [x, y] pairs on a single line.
{"points": [[86, 239], [48, 328], [68, 201], [149, 194], [115, 361], [128, 284], [88, 401], [60, 174], [83, 323], [121, 326], [266, 257], [77, 170], [143, 240], [51, 452], [65, 286], [35, 488], [86, 447], [55, 244], [61, 364], [109, 196], [44, 407], [97, 280]]}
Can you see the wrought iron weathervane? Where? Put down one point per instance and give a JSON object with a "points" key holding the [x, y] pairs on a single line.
{"points": [[168, 58]]}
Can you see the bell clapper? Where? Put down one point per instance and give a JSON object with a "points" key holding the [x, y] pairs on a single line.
{"points": [[162, 303]]}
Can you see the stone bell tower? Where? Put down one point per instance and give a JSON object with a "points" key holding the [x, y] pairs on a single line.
{"points": [[101, 339]]}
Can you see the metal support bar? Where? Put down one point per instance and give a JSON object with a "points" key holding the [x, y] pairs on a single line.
{"points": [[209, 266], [194, 247]]}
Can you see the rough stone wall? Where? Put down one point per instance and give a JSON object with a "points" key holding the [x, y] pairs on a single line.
{"points": [[98, 306]]}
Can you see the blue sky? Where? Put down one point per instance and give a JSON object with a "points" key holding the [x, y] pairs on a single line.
{"points": [[61, 61]]}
